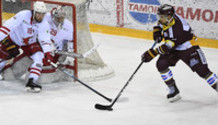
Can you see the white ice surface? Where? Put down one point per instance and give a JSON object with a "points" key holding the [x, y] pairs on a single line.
{"points": [[143, 102]]}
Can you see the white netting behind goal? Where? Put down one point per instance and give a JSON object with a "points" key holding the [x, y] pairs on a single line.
{"points": [[89, 69]]}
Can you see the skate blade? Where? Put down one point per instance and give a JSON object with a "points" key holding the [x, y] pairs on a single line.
{"points": [[175, 98], [35, 90]]}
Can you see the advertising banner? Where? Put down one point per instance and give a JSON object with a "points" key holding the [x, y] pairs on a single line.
{"points": [[202, 15]]}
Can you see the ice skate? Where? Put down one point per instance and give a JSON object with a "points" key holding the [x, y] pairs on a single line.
{"points": [[33, 87], [173, 94], [215, 86]]}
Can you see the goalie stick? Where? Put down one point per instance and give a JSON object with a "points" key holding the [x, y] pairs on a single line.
{"points": [[72, 76], [77, 55], [109, 107]]}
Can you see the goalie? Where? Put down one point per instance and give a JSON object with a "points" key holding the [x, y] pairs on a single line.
{"points": [[177, 35], [61, 31]]}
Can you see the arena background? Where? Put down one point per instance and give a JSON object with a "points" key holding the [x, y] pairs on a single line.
{"points": [[136, 18]]}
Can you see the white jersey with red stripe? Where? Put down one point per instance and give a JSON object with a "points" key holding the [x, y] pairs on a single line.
{"points": [[23, 30], [62, 34]]}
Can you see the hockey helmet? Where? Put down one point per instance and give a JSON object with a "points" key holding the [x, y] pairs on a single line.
{"points": [[40, 7], [58, 12], [58, 15], [166, 10]]}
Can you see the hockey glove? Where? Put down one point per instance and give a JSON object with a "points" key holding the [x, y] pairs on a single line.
{"points": [[12, 49], [48, 58], [157, 36], [165, 48], [149, 55]]}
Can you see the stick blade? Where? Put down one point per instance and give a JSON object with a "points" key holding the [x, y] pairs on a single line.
{"points": [[103, 107]]}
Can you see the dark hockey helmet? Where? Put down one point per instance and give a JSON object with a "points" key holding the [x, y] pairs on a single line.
{"points": [[165, 10]]}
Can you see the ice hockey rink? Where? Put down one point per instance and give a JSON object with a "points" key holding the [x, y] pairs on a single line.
{"points": [[143, 102]]}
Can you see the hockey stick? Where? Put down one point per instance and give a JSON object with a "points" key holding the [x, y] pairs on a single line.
{"points": [[109, 107], [77, 55], [67, 73], [154, 44], [70, 54]]}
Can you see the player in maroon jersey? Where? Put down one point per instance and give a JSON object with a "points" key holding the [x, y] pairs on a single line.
{"points": [[177, 35]]}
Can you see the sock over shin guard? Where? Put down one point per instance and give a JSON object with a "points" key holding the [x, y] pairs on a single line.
{"points": [[173, 94], [167, 76], [212, 80]]}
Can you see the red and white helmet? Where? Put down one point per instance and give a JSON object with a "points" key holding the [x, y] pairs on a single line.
{"points": [[58, 12], [58, 15], [39, 7]]}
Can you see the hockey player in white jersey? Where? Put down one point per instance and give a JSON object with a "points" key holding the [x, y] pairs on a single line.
{"points": [[61, 30], [28, 30]]}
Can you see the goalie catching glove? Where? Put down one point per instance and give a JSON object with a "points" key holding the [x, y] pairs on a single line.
{"points": [[48, 58]]}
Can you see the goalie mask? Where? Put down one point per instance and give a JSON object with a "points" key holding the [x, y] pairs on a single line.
{"points": [[58, 16]]}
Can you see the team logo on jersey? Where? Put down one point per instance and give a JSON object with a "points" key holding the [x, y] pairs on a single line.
{"points": [[143, 11], [26, 40]]}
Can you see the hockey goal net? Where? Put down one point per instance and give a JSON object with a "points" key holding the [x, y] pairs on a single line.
{"points": [[89, 69]]}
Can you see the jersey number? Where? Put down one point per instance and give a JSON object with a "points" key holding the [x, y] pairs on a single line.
{"points": [[29, 30]]}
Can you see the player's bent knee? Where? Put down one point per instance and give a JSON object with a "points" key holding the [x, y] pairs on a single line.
{"points": [[38, 57], [162, 65]]}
